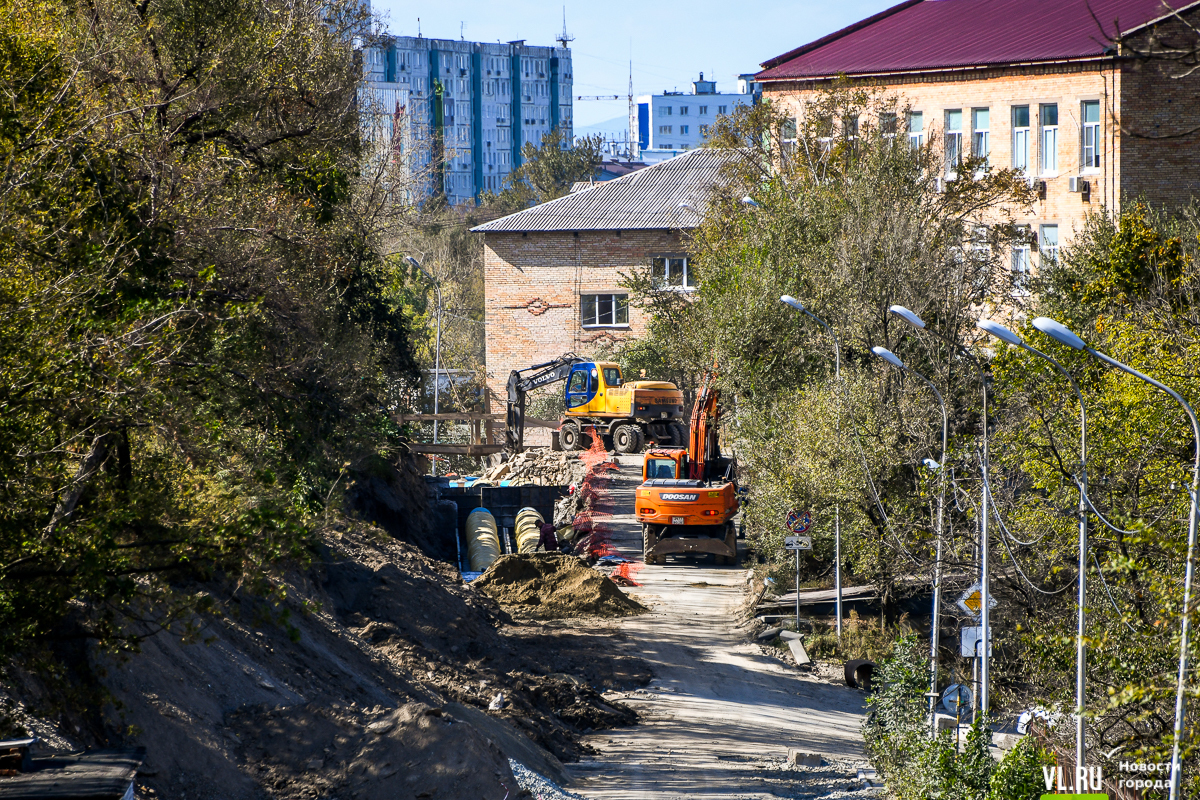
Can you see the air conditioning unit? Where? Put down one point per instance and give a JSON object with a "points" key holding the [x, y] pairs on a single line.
{"points": [[1073, 183], [939, 185]]}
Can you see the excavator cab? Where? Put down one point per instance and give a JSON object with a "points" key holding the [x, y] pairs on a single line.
{"points": [[662, 464]]}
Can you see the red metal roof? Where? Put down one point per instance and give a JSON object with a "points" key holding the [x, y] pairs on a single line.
{"points": [[939, 34]]}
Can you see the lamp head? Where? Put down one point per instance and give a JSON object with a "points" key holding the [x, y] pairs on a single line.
{"points": [[412, 261], [999, 331], [1059, 333], [791, 301], [908, 316], [686, 204], [888, 356], [750, 201], [929, 463]]}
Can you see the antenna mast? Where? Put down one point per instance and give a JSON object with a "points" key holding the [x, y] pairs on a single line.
{"points": [[565, 38]]}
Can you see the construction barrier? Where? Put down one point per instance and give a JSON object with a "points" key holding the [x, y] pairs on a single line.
{"points": [[483, 543], [529, 529]]}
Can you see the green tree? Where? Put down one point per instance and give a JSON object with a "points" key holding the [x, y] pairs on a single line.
{"points": [[548, 170]]}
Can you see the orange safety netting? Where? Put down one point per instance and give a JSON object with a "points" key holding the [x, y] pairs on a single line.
{"points": [[596, 540], [625, 572]]}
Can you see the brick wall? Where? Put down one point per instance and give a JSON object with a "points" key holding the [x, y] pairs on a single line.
{"points": [[533, 282], [1160, 109], [1000, 90]]}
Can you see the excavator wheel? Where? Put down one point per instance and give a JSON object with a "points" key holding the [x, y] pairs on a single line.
{"points": [[678, 434], [627, 439], [570, 437], [731, 541]]}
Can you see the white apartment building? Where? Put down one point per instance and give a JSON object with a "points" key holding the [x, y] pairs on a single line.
{"points": [[457, 113], [672, 122]]}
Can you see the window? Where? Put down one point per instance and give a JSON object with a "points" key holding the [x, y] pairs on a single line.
{"points": [[605, 309], [1048, 145], [850, 127], [704, 130], [954, 132], [683, 130], [612, 376], [1048, 244], [980, 118], [722, 109], [667, 110], [887, 125], [579, 382], [703, 110], [660, 468], [683, 111], [916, 129], [672, 273], [1020, 269], [1091, 135], [664, 128], [1020, 127]]}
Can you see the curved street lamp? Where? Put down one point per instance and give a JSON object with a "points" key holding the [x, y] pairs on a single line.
{"points": [[1005, 335], [985, 594], [1061, 334], [787, 299], [894, 360], [437, 356]]}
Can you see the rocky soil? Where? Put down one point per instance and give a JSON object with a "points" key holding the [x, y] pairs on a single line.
{"points": [[554, 586]]}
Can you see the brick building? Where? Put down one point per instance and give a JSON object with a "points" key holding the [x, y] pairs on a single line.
{"points": [[1057, 88], [552, 273]]}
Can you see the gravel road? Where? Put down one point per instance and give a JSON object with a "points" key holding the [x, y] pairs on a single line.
{"points": [[719, 717]]}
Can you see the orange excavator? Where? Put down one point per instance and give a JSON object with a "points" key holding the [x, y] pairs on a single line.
{"points": [[689, 496]]}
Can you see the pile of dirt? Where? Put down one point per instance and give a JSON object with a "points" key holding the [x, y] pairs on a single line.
{"points": [[554, 586], [278, 697], [538, 468]]}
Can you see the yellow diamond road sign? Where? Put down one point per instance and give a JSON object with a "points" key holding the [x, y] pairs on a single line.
{"points": [[972, 600]]}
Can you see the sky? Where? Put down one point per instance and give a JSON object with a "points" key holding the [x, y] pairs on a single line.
{"points": [[670, 44]]}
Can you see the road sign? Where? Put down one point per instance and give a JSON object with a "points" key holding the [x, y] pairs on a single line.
{"points": [[972, 643], [972, 600], [798, 522], [956, 699], [797, 542]]}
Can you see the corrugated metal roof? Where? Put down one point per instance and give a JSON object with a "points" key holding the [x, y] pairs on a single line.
{"points": [[940, 34], [646, 199]]}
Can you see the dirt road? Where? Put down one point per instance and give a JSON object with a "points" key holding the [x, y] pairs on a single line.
{"points": [[719, 717]]}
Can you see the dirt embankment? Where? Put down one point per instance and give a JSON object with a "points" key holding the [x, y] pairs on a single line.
{"points": [[374, 676]]}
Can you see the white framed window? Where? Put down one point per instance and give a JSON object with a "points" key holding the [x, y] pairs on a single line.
{"points": [[703, 111], [722, 109], [954, 142], [683, 110], [704, 130], [1048, 244], [1090, 115], [671, 272], [887, 124], [1020, 146], [980, 130], [683, 130], [604, 310], [664, 128], [1020, 269], [1048, 143], [916, 129], [667, 110]]}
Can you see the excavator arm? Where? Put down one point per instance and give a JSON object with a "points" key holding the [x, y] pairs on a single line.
{"points": [[519, 384], [703, 447]]}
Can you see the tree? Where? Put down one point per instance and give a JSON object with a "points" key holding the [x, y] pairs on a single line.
{"points": [[548, 171], [196, 341]]}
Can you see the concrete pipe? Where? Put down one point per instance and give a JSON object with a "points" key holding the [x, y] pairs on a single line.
{"points": [[529, 529], [483, 544]]}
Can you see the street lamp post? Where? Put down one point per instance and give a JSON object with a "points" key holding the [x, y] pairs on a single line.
{"points": [[1061, 334], [934, 633], [985, 595], [437, 356], [837, 509], [1005, 335]]}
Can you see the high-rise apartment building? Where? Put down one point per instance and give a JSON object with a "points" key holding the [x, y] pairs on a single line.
{"points": [[457, 113]]}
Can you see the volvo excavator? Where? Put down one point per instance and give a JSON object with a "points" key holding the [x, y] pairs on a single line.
{"points": [[597, 397], [689, 496]]}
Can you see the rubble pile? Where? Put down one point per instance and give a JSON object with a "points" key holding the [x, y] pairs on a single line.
{"points": [[554, 586], [537, 468]]}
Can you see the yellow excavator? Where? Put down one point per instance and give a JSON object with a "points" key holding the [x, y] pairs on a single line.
{"points": [[596, 396]]}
